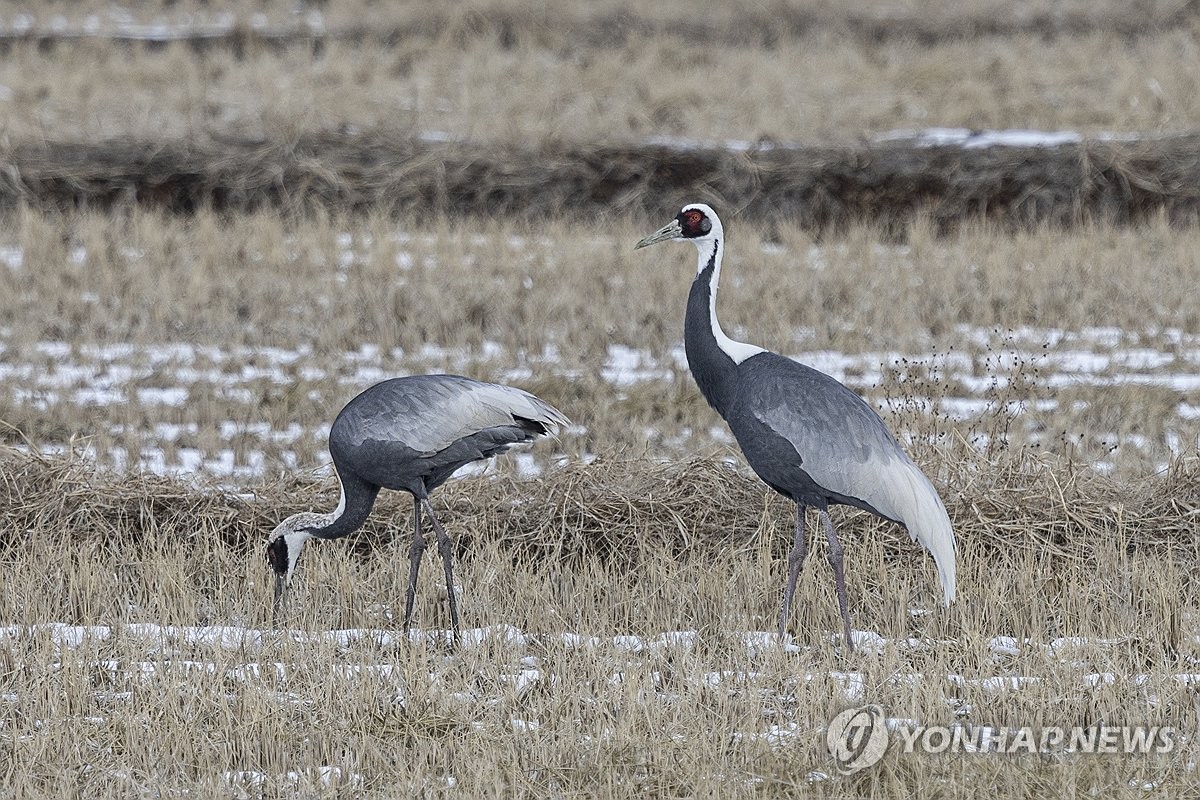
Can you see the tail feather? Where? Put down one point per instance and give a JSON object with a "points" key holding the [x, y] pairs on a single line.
{"points": [[914, 502]]}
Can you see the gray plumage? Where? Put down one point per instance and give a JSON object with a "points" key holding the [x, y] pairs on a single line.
{"points": [[411, 434], [805, 434]]}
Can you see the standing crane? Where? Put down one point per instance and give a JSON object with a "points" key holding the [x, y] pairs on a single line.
{"points": [[805, 434], [410, 434]]}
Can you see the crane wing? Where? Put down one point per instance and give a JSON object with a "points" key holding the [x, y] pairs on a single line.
{"points": [[428, 413], [836, 434], [845, 447]]}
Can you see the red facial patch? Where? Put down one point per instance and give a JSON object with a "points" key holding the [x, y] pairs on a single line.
{"points": [[694, 223]]}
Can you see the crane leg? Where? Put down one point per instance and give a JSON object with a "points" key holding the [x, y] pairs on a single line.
{"points": [[839, 574], [415, 551], [446, 548], [795, 562]]}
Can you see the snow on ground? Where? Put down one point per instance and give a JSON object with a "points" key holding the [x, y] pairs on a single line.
{"points": [[163, 646], [234, 655], [93, 382], [119, 23], [171, 375], [965, 138]]}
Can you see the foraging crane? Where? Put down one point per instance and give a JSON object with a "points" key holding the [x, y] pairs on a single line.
{"points": [[410, 434], [807, 436]]}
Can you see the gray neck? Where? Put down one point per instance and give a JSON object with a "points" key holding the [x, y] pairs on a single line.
{"points": [[711, 366], [358, 497]]}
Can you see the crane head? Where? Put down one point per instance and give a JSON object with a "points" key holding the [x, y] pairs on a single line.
{"points": [[284, 546], [695, 223]]}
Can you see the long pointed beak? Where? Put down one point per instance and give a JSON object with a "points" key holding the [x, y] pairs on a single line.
{"points": [[671, 230], [281, 583]]}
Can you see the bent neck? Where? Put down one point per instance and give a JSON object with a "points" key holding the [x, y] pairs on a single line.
{"points": [[352, 511], [712, 356]]}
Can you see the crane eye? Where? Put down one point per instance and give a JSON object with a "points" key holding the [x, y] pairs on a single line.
{"points": [[695, 223]]}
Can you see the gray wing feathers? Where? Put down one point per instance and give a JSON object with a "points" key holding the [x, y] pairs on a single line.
{"points": [[428, 413], [837, 435], [846, 448]]}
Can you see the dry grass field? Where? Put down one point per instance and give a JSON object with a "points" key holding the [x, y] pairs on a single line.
{"points": [[167, 380], [166, 339], [529, 75], [619, 607]]}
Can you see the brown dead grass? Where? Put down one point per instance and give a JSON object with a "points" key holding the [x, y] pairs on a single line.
{"points": [[554, 121], [608, 22], [822, 88], [614, 514], [618, 547], [345, 281], [550, 301], [824, 189], [640, 541]]}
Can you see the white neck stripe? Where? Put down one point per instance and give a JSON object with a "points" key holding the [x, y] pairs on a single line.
{"points": [[296, 539], [737, 351], [341, 506], [295, 543]]}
